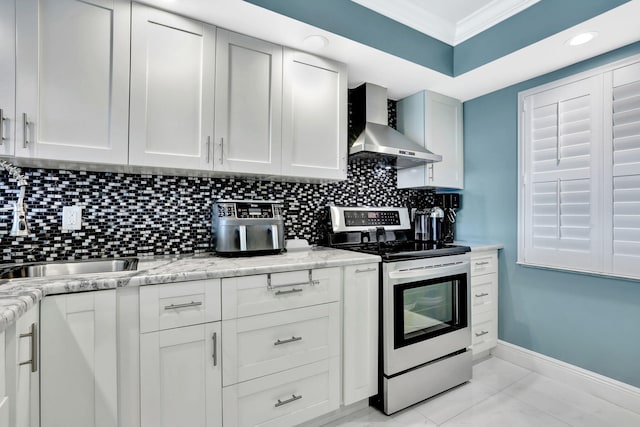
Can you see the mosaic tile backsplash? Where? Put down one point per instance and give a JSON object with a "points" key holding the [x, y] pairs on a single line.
{"points": [[129, 214]]}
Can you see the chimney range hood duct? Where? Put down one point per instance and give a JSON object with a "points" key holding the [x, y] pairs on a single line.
{"points": [[371, 137]]}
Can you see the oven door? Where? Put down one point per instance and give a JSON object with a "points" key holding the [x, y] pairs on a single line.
{"points": [[426, 311]]}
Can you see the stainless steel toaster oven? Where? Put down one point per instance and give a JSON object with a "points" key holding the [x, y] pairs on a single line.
{"points": [[247, 227]]}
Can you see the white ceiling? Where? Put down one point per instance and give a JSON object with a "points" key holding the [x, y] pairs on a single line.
{"points": [[617, 27], [451, 21]]}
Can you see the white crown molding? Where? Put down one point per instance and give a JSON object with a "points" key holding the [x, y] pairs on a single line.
{"points": [[419, 18], [488, 16]]}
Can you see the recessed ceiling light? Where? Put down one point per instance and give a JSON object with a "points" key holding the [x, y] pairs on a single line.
{"points": [[582, 38], [315, 42]]}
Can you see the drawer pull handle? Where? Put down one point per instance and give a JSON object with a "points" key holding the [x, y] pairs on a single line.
{"points": [[34, 348], [311, 282], [185, 305], [366, 270], [482, 263], [290, 291], [481, 333], [292, 339], [214, 338], [483, 294], [284, 402]]}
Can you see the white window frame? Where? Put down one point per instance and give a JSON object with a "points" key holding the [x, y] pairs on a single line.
{"points": [[605, 170]]}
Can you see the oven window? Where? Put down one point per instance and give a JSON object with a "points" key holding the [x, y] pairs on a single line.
{"points": [[429, 308]]}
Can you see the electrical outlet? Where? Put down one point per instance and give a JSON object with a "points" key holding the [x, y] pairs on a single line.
{"points": [[71, 218]]}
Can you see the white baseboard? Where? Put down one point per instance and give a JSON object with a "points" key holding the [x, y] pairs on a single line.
{"points": [[616, 392]]}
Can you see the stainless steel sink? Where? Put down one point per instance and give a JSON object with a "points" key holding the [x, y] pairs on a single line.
{"points": [[67, 268]]}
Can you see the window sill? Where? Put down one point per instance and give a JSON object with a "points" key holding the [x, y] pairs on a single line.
{"points": [[583, 272]]}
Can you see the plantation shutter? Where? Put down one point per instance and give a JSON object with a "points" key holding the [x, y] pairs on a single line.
{"points": [[622, 249], [562, 129]]}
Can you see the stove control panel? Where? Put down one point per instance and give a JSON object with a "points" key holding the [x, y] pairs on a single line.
{"points": [[371, 218], [366, 218]]}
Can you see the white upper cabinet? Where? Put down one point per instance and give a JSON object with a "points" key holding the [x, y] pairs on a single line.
{"points": [[72, 91], [172, 83], [248, 106], [314, 117], [435, 122], [7, 77]]}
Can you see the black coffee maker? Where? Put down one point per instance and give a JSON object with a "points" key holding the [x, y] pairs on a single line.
{"points": [[450, 203]]}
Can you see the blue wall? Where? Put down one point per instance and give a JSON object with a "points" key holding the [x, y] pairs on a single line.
{"points": [[587, 321]]}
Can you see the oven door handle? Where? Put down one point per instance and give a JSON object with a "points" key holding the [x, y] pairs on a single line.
{"points": [[430, 272]]}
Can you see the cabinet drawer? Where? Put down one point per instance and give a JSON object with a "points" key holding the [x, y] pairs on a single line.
{"points": [[484, 264], [174, 305], [483, 293], [284, 399], [484, 332], [267, 293], [260, 345]]}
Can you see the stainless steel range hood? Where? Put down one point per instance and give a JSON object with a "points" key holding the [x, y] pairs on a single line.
{"points": [[374, 138]]}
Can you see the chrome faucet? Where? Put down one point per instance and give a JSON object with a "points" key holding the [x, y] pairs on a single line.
{"points": [[20, 226]]}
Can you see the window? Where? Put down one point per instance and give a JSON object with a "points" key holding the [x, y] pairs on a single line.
{"points": [[579, 181]]}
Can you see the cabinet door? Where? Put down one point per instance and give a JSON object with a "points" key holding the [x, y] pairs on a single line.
{"points": [[314, 117], [7, 77], [360, 332], [171, 90], [248, 110], [79, 387], [72, 91], [4, 395], [435, 122], [26, 380], [180, 377]]}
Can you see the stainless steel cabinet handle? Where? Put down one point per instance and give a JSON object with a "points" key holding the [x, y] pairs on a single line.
{"points": [[481, 333], [25, 129], [188, 304], [284, 402], [292, 339], [215, 348], [208, 148], [483, 294], [366, 270], [431, 172], [311, 282], [482, 263], [221, 150], [34, 348], [290, 291], [2, 119]]}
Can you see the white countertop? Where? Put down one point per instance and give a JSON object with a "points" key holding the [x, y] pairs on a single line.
{"points": [[19, 295], [479, 246]]}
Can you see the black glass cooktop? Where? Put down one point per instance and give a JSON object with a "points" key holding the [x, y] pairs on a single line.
{"points": [[401, 250]]}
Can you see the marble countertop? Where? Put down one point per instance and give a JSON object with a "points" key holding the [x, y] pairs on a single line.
{"points": [[479, 246], [17, 296]]}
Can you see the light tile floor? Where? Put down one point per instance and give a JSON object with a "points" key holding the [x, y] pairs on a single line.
{"points": [[503, 394]]}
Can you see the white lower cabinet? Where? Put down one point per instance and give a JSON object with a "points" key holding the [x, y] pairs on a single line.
{"points": [[180, 355], [484, 301], [281, 347], [180, 377], [360, 333], [259, 345], [27, 382], [79, 370], [287, 398], [4, 395]]}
